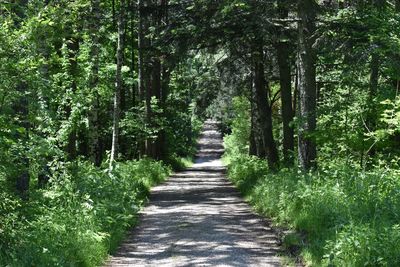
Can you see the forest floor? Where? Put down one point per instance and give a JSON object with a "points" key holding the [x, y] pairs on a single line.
{"points": [[198, 218]]}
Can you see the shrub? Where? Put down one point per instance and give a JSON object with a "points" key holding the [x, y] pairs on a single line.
{"points": [[346, 217], [236, 144], [350, 218], [80, 217], [365, 245]]}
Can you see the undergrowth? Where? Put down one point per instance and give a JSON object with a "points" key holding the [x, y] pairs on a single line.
{"points": [[339, 215], [79, 218], [348, 218]]}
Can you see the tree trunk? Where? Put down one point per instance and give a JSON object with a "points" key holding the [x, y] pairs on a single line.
{"points": [[44, 51], [148, 93], [73, 49], [118, 83], [133, 48], [21, 109], [253, 144], [263, 110], [373, 90], [141, 50], [296, 92], [93, 116], [152, 79], [253, 130], [282, 48], [256, 145], [156, 83], [166, 77], [141, 64], [373, 84], [114, 19], [253, 151], [162, 73], [307, 84]]}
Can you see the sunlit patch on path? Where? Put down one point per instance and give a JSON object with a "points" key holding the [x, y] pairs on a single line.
{"points": [[197, 218]]}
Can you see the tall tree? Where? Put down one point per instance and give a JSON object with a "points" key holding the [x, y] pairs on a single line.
{"points": [[374, 65], [263, 108], [94, 138], [256, 143], [21, 109], [72, 42], [307, 10], [283, 55], [165, 72], [142, 42], [118, 82]]}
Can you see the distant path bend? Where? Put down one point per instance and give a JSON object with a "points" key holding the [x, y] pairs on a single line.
{"points": [[197, 218]]}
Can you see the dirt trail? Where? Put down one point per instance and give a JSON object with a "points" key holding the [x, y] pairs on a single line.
{"points": [[197, 218]]}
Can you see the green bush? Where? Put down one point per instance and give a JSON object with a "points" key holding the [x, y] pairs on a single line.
{"points": [[79, 218], [9, 222], [365, 245], [340, 215], [346, 216], [349, 218], [237, 143]]}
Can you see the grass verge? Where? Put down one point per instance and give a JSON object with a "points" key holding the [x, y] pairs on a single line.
{"points": [[338, 216]]}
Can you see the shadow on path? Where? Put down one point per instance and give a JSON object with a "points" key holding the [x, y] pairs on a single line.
{"points": [[197, 218]]}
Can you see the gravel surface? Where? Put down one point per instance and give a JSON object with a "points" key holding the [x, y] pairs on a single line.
{"points": [[197, 218]]}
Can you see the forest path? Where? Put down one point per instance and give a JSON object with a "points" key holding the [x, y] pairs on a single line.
{"points": [[197, 218]]}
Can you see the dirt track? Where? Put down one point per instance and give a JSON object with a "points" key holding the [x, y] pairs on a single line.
{"points": [[197, 218]]}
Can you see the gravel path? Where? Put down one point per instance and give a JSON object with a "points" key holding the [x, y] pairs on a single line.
{"points": [[197, 218]]}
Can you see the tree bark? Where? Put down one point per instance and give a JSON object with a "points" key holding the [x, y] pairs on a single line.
{"points": [[148, 110], [21, 109], [282, 48], [159, 16], [307, 84], [93, 116], [373, 84], [166, 77], [256, 145], [73, 49], [141, 64], [156, 92], [140, 50], [253, 144], [253, 131], [118, 83], [263, 109], [373, 90], [133, 48]]}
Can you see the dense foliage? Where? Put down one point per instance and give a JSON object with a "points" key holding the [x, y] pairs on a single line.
{"points": [[312, 138], [79, 218], [341, 214], [95, 94], [78, 150]]}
